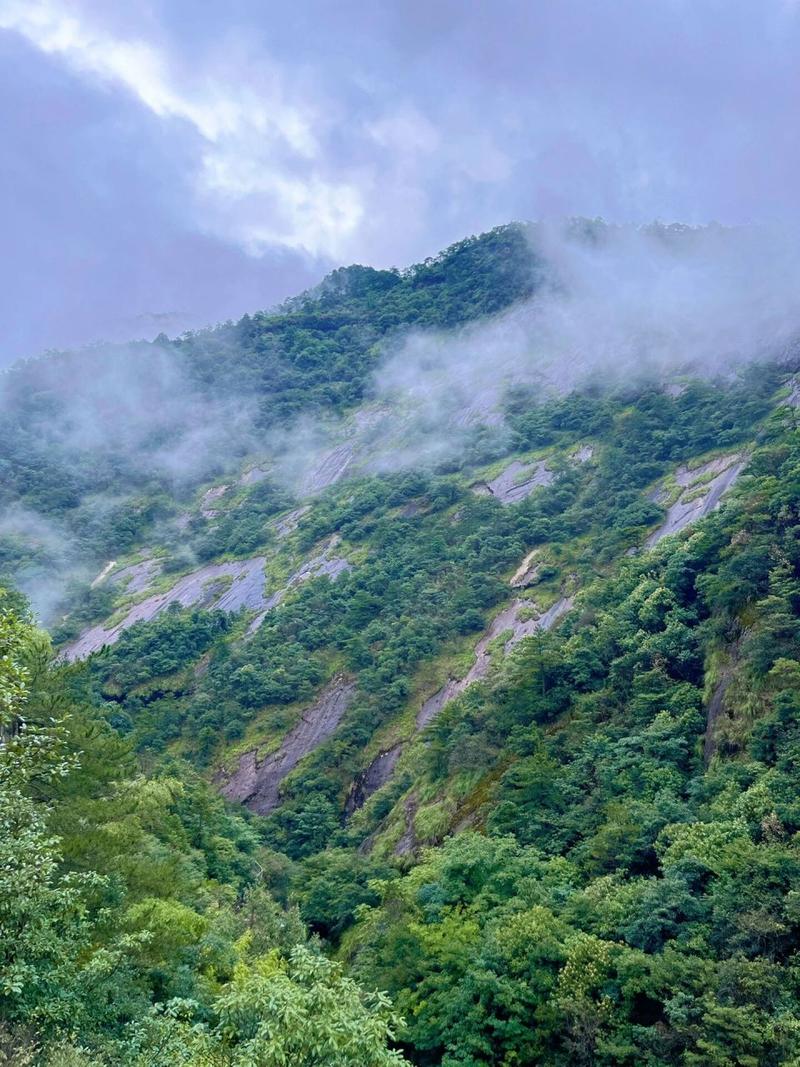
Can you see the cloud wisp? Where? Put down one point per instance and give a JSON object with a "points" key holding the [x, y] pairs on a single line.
{"points": [[624, 305], [209, 159], [618, 306], [257, 147]]}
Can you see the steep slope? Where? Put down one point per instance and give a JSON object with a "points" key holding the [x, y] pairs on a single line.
{"points": [[414, 585], [506, 693], [634, 778]]}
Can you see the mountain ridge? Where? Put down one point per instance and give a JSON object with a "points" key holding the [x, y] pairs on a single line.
{"points": [[511, 686]]}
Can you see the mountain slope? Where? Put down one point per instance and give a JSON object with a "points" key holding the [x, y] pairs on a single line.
{"points": [[551, 633]]}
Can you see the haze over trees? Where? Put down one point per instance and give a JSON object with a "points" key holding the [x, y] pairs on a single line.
{"points": [[586, 856]]}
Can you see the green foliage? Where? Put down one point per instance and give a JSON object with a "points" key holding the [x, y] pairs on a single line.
{"points": [[242, 528], [632, 902], [630, 894], [332, 886], [301, 1011], [133, 929]]}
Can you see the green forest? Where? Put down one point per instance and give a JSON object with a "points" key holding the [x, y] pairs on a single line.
{"points": [[589, 855]]}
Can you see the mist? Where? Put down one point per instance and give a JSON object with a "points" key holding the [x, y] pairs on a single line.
{"points": [[47, 559], [136, 401], [615, 306], [621, 305]]}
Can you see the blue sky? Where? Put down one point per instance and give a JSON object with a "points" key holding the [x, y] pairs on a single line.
{"points": [[170, 164]]}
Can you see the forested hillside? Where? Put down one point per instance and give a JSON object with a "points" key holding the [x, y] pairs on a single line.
{"points": [[449, 722]]}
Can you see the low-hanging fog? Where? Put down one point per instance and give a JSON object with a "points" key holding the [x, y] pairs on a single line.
{"points": [[614, 305], [618, 305]]}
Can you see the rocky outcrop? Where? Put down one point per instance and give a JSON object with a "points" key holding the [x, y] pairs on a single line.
{"points": [[408, 839], [208, 499], [370, 781], [327, 470], [527, 571], [287, 524], [546, 621], [516, 482], [510, 621], [104, 573], [137, 577], [256, 784], [321, 565], [702, 492], [134, 578], [207, 587], [716, 706], [253, 476]]}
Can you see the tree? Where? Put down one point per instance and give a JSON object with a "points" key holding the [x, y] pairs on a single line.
{"points": [[44, 925], [300, 1012]]}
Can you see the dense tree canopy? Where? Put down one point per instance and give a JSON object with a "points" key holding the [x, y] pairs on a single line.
{"points": [[589, 856]]}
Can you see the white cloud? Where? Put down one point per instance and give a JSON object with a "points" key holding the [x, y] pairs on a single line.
{"points": [[405, 131], [262, 178]]}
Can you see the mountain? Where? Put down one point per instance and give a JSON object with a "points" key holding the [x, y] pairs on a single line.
{"points": [[436, 633]]}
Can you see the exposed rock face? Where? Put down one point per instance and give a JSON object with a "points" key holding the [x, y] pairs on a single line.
{"points": [[508, 621], [675, 389], [328, 469], [698, 500], [793, 399], [257, 784], [583, 454], [201, 588], [527, 571], [546, 621], [214, 494], [452, 688], [716, 706], [370, 781], [516, 482], [134, 578], [104, 573], [408, 841], [138, 576], [323, 564], [287, 524], [209, 497], [252, 476], [686, 477], [247, 588]]}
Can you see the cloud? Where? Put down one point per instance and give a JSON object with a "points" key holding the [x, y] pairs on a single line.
{"points": [[215, 158], [98, 211], [619, 305], [135, 405], [624, 306], [253, 138]]}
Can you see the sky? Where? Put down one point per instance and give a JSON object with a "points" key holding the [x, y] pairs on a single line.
{"points": [[169, 164]]}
